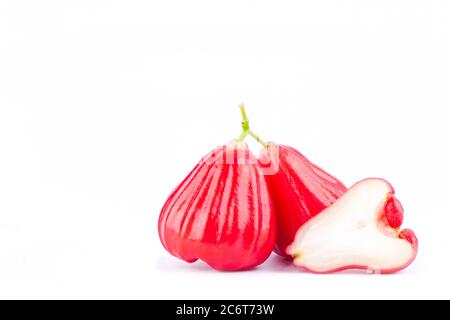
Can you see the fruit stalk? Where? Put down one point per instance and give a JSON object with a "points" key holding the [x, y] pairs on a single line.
{"points": [[246, 131]]}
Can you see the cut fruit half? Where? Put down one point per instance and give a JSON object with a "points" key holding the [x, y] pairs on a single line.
{"points": [[359, 231]]}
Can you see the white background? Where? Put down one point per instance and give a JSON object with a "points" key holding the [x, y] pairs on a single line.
{"points": [[105, 106]]}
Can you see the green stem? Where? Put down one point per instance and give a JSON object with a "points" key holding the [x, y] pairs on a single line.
{"points": [[246, 128], [243, 135], [245, 122], [257, 138]]}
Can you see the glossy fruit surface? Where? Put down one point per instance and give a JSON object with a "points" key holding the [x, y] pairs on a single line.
{"points": [[355, 233], [221, 213], [299, 190]]}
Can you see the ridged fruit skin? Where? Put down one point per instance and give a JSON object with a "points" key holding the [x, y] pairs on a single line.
{"points": [[221, 213], [299, 190]]}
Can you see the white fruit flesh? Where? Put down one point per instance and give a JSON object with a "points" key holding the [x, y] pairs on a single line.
{"points": [[349, 234]]}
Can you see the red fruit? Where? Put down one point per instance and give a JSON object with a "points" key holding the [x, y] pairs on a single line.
{"points": [[299, 190], [221, 213]]}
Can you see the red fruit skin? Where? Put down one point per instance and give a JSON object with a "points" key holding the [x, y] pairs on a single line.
{"points": [[221, 213], [299, 190]]}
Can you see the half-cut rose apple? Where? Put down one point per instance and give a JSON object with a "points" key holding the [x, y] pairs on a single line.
{"points": [[360, 230]]}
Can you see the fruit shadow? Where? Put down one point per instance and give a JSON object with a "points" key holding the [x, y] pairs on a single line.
{"points": [[168, 264], [275, 264], [278, 264]]}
